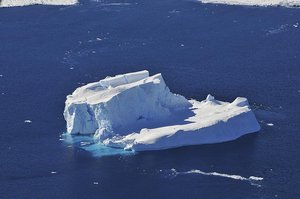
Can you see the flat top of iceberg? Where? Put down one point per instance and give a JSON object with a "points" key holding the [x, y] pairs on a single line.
{"points": [[109, 87], [13, 3], [285, 3], [138, 112]]}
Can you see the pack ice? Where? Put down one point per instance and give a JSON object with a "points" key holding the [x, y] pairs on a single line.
{"points": [[138, 112]]}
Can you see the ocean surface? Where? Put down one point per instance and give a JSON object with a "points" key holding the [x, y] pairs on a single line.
{"points": [[228, 51]]}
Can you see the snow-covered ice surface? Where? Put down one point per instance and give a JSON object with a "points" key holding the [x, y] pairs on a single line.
{"points": [[13, 3], [285, 3], [138, 112]]}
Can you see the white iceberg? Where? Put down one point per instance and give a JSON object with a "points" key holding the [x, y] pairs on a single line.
{"points": [[13, 3], [138, 112], [284, 3]]}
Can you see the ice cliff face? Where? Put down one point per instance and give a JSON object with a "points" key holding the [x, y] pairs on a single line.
{"points": [[117, 104], [137, 111]]}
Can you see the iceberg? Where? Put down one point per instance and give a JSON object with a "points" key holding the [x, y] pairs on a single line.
{"points": [[138, 112], [284, 3], [14, 3]]}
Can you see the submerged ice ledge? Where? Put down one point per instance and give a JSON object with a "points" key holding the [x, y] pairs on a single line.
{"points": [[138, 112], [284, 3], [14, 3]]}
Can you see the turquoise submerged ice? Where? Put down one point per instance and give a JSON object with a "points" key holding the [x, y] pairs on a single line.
{"points": [[138, 112], [95, 148]]}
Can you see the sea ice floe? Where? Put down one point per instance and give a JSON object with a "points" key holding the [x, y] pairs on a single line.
{"points": [[14, 3], [284, 3], [252, 179]]}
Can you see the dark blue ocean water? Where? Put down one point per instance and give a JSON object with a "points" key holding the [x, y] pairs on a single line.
{"points": [[228, 51]]}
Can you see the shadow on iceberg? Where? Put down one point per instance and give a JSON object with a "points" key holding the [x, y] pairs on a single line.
{"points": [[175, 118]]}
